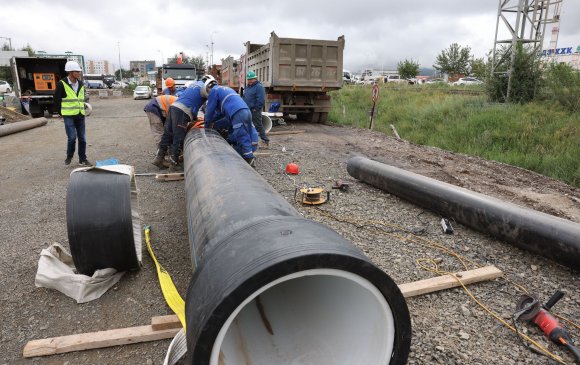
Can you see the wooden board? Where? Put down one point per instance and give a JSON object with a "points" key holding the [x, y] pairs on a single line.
{"points": [[95, 340], [276, 133], [446, 281], [165, 322], [163, 327], [170, 177]]}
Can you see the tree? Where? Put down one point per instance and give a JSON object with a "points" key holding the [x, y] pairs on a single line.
{"points": [[198, 62], [6, 47], [408, 69], [526, 76], [28, 48], [126, 74], [478, 68], [453, 60]]}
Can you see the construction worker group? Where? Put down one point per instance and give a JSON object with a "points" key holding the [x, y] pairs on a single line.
{"points": [[175, 111]]}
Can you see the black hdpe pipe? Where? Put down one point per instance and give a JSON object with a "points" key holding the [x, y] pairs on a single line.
{"points": [[102, 221], [16, 127], [552, 237], [271, 287]]}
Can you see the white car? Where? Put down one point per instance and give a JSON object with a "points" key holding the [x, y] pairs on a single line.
{"points": [[119, 85], [468, 81], [142, 92], [5, 87]]}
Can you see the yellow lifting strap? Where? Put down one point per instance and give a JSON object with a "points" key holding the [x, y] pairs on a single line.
{"points": [[172, 297]]}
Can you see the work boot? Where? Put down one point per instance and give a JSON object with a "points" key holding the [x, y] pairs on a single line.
{"points": [[173, 167], [160, 162]]}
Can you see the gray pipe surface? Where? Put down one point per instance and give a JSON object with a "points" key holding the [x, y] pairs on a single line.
{"points": [[552, 237], [16, 127], [271, 287]]}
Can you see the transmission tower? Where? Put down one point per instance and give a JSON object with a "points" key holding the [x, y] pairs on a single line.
{"points": [[520, 22]]}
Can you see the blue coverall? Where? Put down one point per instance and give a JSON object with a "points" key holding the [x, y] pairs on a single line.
{"points": [[225, 102], [177, 120]]}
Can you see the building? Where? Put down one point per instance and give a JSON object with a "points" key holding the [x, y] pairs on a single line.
{"points": [[567, 55], [140, 68], [102, 67]]}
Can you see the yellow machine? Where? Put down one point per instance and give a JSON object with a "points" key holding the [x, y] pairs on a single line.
{"points": [[44, 81]]}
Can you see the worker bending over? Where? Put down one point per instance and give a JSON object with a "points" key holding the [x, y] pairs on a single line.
{"points": [[181, 112], [225, 106], [157, 110], [170, 89]]}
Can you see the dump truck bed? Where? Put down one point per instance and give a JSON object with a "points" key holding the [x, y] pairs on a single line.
{"points": [[297, 64]]}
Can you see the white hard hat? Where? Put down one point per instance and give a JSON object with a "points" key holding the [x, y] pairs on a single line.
{"points": [[72, 66], [207, 85], [207, 77]]}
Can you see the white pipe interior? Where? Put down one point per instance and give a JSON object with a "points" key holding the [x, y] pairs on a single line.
{"points": [[266, 123], [313, 317]]}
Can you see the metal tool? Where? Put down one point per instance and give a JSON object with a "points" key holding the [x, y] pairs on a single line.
{"points": [[530, 309]]}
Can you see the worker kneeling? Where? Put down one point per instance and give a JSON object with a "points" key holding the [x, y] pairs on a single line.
{"points": [[226, 110]]}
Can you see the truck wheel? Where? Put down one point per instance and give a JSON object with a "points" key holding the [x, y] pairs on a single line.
{"points": [[314, 117]]}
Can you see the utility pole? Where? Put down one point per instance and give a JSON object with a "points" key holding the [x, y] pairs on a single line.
{"points": [[211, 38], [120, 67]]}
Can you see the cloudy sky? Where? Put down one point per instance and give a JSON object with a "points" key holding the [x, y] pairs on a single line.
{"points": [[378, 33]]}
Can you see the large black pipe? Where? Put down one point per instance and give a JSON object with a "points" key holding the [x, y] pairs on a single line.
{"points": [[544, 234], [271, 287]]}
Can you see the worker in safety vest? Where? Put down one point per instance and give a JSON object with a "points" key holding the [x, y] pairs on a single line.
{"points": [[157, 110], [223, 102], [69, 99], [170, 89], [181, 112]]}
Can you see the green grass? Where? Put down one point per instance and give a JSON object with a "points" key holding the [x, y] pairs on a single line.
{"points": [[543, 137]]}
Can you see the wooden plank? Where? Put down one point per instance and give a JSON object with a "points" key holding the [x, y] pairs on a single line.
{"points": [[165, 322], [163, 327], [446, 281], [95, 340], [430, 285], [170, 176], [277, 133]]}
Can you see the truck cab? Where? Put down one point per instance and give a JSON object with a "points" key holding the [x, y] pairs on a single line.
{"points": [[180, 73]]}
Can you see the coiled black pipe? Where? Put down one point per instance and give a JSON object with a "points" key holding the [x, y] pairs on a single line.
{"points": [[102, 221], [552, 237], [271, 287]]}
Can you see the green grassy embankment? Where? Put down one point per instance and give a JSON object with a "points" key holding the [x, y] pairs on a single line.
{"points": [[542, 137]]}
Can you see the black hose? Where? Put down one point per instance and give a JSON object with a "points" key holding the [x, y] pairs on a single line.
{"points": [[272, 287], [552, 237]]}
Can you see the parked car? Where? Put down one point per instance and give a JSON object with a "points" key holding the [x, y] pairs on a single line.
{"points": [[394, 78], [435, 80], [468, 81], [118, 85], [5, 87], [142, 92]]}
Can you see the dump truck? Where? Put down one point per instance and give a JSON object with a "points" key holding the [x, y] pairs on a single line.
{"points": [[179, 72], [35, 80], [296, 74]]}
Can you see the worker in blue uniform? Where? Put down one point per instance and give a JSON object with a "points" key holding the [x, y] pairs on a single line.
{"points": [[254, 96], [181, 112], [227, 108]]}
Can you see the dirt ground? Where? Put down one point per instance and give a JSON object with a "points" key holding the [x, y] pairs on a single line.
{"points": [[448, 326]]}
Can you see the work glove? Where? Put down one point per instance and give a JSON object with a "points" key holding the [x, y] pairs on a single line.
{"points": [[251, 161]]}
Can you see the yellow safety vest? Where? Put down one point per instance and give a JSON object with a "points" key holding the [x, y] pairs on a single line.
{"points": [[72, 104]]}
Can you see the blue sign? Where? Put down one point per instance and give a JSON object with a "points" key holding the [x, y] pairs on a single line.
{"points": [[560, 51]]}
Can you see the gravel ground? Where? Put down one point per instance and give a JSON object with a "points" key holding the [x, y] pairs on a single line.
{"points": [[448, 326]]}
